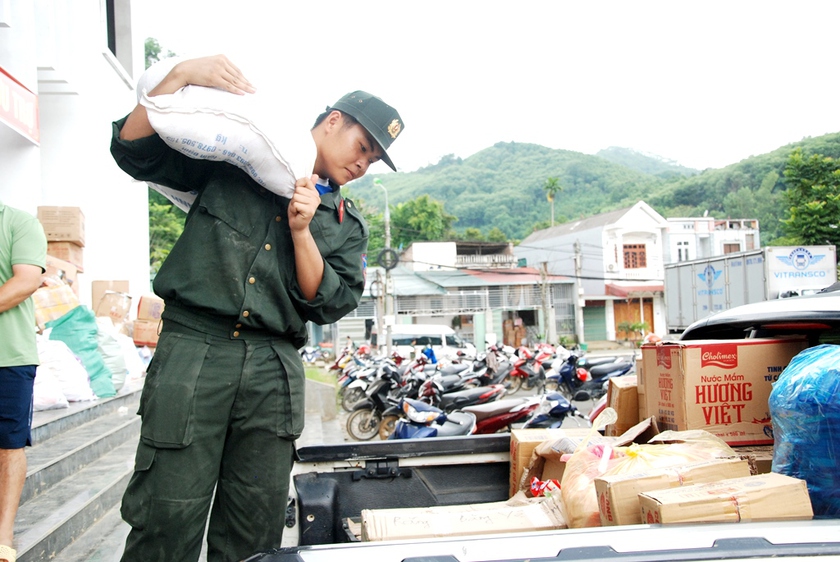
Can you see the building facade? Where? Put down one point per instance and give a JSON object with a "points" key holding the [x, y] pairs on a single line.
{"points": [[67, 70]]}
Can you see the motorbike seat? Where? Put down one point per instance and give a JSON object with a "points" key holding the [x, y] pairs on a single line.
{"points": [[490, 409], [454, 368], [604, 369]]}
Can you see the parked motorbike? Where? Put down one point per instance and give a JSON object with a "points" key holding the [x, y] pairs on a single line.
{"points": [[310, 354], [445, 392], [499, 415], [528, 372], [377, 413], [578, 383], [553, 410], [422, 420]]}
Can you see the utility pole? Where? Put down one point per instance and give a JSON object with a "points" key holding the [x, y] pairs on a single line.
{"points": [[389, 285], [579, 302], [547, 320]]}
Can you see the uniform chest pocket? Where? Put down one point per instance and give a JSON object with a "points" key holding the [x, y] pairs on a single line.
{"points": [[233, 205]]}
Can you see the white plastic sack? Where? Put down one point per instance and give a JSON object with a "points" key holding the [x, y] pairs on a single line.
{"points": [[134, 363], [47, 393], [212, 124], [111, 350], [56, 358]]}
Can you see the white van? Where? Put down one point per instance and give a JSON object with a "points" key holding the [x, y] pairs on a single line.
{"points": [[409, 339]]}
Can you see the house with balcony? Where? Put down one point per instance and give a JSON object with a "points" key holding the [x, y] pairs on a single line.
{"points": [[695, 238], [617, 260]]}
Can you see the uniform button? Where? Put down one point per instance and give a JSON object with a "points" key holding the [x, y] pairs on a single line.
{"points": [[278, 218], [236, 334], [245, 314], [268, 246], [252, 280], [239, 325]]}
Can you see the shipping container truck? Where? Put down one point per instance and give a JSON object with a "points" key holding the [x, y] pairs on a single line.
{"points": [[698, 288]]}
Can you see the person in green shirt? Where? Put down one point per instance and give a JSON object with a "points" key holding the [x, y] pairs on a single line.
{"points": [[223, 399], [23, 256]]}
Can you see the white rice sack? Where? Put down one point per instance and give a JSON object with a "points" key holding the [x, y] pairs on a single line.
{"points": [[111, 350], [47, 394], [56, 358], [212, 124]]}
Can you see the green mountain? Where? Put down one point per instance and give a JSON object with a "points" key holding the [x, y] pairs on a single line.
{"points": [[646, 163], [502, 186]]}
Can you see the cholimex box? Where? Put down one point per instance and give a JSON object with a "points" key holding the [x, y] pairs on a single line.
{"points": [[721, 386], [763, 497]]}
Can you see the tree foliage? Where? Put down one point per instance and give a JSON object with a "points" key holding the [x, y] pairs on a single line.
{"points": [[813, 195], [420, 219]]}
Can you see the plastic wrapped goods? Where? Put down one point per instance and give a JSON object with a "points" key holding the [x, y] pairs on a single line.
{"points": [[805, 408]]}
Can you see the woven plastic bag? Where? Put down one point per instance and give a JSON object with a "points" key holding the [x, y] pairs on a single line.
{"points": [[805, 409], [78, 330]]}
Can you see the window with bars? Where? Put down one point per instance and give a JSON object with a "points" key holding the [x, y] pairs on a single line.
{"points": [[635, 256]]}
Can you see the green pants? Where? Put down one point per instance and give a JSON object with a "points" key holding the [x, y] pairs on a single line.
{"points": [[217, 414]]}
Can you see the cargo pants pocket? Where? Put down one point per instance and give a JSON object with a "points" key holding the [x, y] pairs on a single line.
{"points": [[290, 392], [167, 404]]}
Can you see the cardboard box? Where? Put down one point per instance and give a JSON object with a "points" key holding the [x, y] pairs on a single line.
{"points": [[63, 271], [150, 307], [760, 457], [722, 386], [452, 521], [63, 224], [763, 497], [146, 332], [623, 397], [98, 288], [640, 388], [67, 251], [115, 306], [618, 495], [522, 445]]}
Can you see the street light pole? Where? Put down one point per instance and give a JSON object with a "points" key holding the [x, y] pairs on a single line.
{"points": [[389, 303]]}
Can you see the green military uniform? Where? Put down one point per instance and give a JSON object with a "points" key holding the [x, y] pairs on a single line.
{"points": [[224, 394]]}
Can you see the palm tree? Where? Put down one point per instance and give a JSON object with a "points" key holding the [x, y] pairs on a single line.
{"points": [[552, 186]]}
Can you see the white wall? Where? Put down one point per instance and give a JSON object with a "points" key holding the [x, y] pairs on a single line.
{"points": [[78, 99]]}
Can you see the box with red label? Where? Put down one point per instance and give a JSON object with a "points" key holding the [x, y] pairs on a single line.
{"points": [[722, 386]]}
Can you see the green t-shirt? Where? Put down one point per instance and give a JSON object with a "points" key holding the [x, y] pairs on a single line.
{"points": [[22, 241]]}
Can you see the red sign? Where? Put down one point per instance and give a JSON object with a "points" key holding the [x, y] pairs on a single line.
{"points": [[18, 107]]}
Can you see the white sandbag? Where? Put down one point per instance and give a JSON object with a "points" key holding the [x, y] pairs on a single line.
{"points": [[134, 363], [55, 356], [47, 393], [212, 124], [111, 350]]}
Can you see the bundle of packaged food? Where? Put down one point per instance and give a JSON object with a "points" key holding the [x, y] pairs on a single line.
{"points": [[588, 462]]}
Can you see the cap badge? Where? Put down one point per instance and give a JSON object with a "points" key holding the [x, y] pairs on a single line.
{"points": [[394, 128]]}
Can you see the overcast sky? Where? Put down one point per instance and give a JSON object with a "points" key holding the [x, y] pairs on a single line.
{"points": [[705, 83]]}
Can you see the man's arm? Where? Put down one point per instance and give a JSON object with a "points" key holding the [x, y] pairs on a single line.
{"points": [[25, 280], [216, 71], [309, 264]]}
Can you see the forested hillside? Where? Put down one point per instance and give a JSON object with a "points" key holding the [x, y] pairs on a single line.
{"points": [[502, 186]]}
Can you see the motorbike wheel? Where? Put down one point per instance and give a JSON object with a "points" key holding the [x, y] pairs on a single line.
{"points": [[551, 385], [387, 426], [363, 425], [513, 384], [351, 397]]}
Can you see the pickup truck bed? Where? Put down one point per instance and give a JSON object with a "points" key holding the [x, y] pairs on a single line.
{"points": [[333, 483]]}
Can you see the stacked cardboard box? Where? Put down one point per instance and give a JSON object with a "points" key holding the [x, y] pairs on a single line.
{"points": [[763, 497], [618, 494], [147, 325], [623, 397], [721, 386], [64, 228]]}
